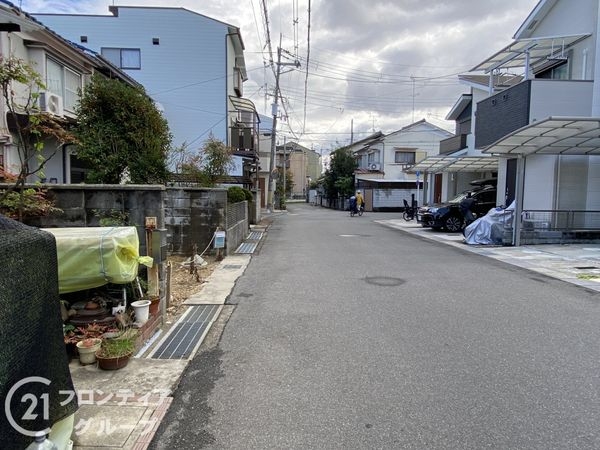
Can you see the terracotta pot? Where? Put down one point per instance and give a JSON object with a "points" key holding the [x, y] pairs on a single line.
{"points": [[113, 363]]}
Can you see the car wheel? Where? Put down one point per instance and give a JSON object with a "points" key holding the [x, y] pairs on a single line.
{"points": [[453, 224]]}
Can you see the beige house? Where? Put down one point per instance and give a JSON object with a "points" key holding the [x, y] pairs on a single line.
{"points": [[302, 164]]}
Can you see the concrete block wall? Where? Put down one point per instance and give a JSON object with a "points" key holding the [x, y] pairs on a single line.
{"points": [[192, 215]]}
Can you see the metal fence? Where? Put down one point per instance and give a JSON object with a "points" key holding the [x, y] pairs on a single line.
{"points": [[560, 226]]}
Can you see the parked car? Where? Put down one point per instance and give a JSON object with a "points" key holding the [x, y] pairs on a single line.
{"points": [[447, 215]]}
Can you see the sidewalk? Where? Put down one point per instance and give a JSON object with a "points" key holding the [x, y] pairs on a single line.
{"points": [[122, 409], [577, 264]]}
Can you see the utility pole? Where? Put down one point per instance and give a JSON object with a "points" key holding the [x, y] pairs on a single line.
{"points": [[275, 106], [284, 167], [274, 111]]}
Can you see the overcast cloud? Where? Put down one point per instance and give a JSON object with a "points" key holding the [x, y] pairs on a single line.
{"points": [[377, 64]]}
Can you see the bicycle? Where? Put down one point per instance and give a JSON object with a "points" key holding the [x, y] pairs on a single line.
{"points": [[359, 210], [409, 212]]}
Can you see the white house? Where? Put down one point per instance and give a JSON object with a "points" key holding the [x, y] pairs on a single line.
{"points": [[545, 128], [191, 65], [534, 110], [459, 162], [64, 68], [383, 159]]}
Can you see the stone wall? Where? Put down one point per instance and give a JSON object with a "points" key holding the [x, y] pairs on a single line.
{"points": [[187, 216]]}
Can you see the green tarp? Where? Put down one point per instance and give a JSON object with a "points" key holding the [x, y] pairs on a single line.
{"points": [[90, 257]]}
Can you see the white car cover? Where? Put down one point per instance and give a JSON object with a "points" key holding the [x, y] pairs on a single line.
{"points": [[489, 229]]}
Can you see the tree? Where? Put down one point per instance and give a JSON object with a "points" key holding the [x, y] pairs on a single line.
{"points": [[218, 160], [289, 184], [213, 162], [339, 178], [30, 129], [120, 131]]}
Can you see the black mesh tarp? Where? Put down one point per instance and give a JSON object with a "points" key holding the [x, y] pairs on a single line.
{"points": [[35, 382]]}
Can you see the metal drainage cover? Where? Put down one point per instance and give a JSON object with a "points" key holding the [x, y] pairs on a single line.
{"points": [[232, 266], [247, 247], [187, 334], [255, 236]]}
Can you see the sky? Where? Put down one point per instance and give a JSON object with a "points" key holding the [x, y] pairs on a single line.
{"points": [[364, 66]]}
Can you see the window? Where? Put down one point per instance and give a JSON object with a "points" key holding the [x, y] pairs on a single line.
{"points": [[63, 81], [124, 58], [555, 68], [401, 157]]}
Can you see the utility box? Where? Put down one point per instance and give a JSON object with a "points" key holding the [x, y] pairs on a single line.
{"points": [[219, 239]]}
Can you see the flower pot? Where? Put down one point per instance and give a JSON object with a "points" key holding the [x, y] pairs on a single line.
{"points": [[142, 311], [113, 363], [87, 350]]}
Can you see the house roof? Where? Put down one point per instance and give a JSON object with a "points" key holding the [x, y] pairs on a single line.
{"points": [[552, 136], [11, 13], [418, 123], [463, 102]]}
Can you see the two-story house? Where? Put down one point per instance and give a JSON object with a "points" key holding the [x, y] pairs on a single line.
{"points": [[191, 65], [545, 129], [302, 163], [383, 160], [64, 68]]}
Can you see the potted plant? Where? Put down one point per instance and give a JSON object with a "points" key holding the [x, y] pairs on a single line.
{"points": [[87, 349], [114, 353]]}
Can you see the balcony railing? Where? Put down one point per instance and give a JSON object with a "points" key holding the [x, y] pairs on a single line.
{"points": [[501, 114], [453, 144]]}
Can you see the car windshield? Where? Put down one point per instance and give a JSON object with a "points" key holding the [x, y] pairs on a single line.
{"points": [[459, 197]]}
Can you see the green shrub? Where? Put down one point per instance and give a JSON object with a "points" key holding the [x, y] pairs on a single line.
{"points": [[235, 194]]}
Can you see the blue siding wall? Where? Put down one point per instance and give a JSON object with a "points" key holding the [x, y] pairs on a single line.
{"points": [[186, 73]]}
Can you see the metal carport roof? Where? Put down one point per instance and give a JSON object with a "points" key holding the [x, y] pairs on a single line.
{"points": [[438, 164], [552, 136]]}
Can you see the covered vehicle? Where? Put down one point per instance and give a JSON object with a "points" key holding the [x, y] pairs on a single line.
{"points": [[492, 228], [448, 216]]}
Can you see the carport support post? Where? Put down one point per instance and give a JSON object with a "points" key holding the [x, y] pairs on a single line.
{"points": [[520, 183]]}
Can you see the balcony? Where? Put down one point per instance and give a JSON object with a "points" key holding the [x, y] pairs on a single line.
{"points": [[453, 144], [527, 102]]}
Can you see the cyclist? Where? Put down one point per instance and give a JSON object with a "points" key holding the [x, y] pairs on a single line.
{"points": [[360, 200]]}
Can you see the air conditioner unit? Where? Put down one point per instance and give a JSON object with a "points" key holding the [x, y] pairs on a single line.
{"points": [[374, 166], [51, 103]]}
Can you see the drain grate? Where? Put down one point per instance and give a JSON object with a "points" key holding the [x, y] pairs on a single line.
{"points": [[187, 334], [255, 236], [247, 247]]}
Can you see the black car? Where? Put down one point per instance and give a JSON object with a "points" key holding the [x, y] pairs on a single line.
{"points": [[448, 216]]}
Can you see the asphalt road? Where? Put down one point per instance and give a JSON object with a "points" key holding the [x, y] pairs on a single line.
{"points": [[345, 334]]}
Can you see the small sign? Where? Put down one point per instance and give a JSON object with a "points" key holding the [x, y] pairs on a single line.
{"points": [[418, 172], [219, 239]]}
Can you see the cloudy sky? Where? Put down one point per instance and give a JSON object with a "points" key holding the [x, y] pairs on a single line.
{"points": [[365, 66]]}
